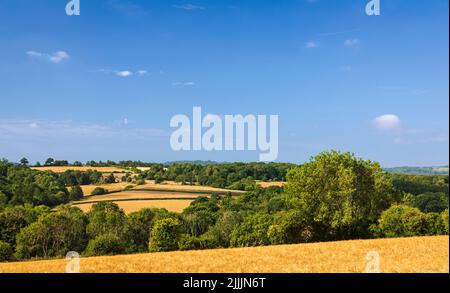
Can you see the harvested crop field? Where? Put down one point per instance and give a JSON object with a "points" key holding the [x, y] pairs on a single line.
{"points": [[184, 188], [62, 169], [87, 189], [271, 183], [129, 206], [140, 194], [399, 255]]}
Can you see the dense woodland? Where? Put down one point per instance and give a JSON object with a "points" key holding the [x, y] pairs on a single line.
{"points": [[334, 196]]}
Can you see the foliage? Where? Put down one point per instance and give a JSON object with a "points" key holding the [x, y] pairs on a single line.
{"points": [[6, 251], [401, 221], [76, 193], [252, 231], [99, 191], [339, 195], [53, 234], [431, 202], [137, 230], [165, 235], [106, 218], [105, 244]]}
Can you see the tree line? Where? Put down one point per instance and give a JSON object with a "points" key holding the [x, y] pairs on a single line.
{"points": [[334, 196]]}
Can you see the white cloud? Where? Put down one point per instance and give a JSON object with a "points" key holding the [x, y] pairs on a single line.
{"points": [[125, 121], [188, 83], [56, 57], [387, 122], [13, 129], [352, 42], [124, 73], [189, 7], [310, 45], [142, 72]]}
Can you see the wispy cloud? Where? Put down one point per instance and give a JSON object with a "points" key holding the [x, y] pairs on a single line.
{"points": [[123, 73], [187, 83], [310, 45], [189, 7], [352, 43], [68, 128], [56, 57]]}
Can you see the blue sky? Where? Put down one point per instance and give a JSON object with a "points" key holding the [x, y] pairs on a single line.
{"points": [[104, 85]]}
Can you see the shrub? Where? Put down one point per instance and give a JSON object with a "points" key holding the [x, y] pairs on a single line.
{"points": [[99, 191], [289, 228], [252, 232], [401, 221], [6, 251], [140, 182], [444, 216], [76, 193], [104, 218], [106, 244], [53, 234], [137, 230], [165, 235]]}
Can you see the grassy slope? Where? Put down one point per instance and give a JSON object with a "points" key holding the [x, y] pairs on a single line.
{"points": [[418, 254]]}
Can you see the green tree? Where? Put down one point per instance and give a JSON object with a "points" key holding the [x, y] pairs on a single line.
{"points": [[49, 162], [431, 202], [252, 231], [99, 191], [401, 221], [106, 244], [290, 227], [339, 194], [76, 193], [137, 230], [165, 235], [53, 234], [6, 251], [106, 218], [24, 162], [13, 219], [444, 216]]}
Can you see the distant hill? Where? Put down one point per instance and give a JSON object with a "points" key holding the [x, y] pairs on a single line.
{"points": [[443, 170]]}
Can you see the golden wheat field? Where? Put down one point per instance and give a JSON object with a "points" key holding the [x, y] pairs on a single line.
{"points": [[87, 189], [130, 206], [399, 255], [173, 186], [271, 183], [140, 194], [61, 169]]}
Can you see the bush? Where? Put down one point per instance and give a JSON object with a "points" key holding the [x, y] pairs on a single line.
{"points": [[76, 193], [289, 228], [140, 182], [165, 235], [137, 230], [106, 217], [401, 221], [99, 191], [106, 244], [252, 232], [444, 216], [53, 234], [6, 251]]}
